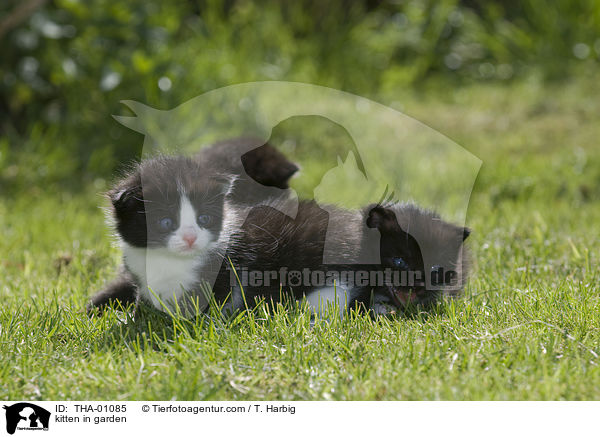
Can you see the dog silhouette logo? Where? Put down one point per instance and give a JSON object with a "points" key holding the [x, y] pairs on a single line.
{"points": [[26, 416]]}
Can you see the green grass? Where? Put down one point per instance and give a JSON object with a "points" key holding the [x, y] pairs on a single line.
{"points": [[528, 326]]}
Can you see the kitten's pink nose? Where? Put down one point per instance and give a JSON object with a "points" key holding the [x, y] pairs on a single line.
{"points": [[189, 239]]}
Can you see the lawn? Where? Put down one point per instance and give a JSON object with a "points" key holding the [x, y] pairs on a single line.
{"points": [[527, 327]]}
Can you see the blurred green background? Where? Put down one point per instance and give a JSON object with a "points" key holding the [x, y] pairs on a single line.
{"points": [[66, 64]]}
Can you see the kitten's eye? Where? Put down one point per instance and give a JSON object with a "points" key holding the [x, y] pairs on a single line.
{"points": [[400, 263], [165, 223], [204, 219]]}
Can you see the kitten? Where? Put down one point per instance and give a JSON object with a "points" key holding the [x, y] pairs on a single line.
{"points": [[270, 241], [178, 228], [418, 242], [169, 216], [397, 240]]}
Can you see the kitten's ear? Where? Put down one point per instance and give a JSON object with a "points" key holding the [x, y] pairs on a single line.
{"points": [[268, 166], [466, 232], [119, 196], [129, 188], [381, 218]]}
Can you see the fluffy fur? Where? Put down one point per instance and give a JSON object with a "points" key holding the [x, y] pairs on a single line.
{"points": [[169, 214], [174, 224], [418, 240], [409, 239]]}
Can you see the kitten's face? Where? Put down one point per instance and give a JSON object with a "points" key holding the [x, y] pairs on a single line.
{"points": [[418, 243], [171, 203]]}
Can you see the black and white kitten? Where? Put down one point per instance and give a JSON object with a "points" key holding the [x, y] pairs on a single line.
{"points": [[172, 219], [169, 214]]}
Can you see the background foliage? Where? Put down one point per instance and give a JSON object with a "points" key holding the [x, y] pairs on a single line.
{"points": [[66, 64]]}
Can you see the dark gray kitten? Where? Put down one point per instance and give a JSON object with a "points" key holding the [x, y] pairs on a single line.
{"points": [[381, 261]]}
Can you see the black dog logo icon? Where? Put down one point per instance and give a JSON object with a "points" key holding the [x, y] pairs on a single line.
{"points": [[26, 416]]}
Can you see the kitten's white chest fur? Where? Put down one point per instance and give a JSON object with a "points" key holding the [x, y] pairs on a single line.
{"points": [[167, 275]]}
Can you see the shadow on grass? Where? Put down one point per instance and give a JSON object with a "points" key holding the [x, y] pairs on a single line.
{"points": [[144, 327]]}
